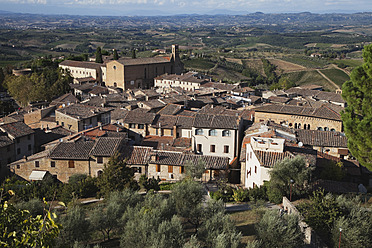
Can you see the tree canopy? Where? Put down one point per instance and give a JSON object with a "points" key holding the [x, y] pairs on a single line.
{"points": [[281, 175], [357, 116], [99, 55]]}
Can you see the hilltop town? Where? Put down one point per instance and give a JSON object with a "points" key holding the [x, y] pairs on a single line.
{"points": [[162, 119]]}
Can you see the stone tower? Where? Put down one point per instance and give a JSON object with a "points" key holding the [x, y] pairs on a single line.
{"points": [[177, 66]]}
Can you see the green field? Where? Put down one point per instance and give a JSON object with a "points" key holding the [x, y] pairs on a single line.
{"points": [[337, 76], [348, 62], [307, 62], [309, 77], [198, 63]]}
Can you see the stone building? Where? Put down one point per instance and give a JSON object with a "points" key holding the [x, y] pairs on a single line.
{"points": [[216, 135], [140, 72], [84, 70], [80, 156], [170, 165], [188, 81], [78, 117], [299, 117]]}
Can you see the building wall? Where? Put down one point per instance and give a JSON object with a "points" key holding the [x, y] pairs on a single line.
{"points": [[24, 146], [186, 133], [258, 174], [78, 125], [36, 116], [81, 72], [164, 83], [136, 133], [61, 167], [218, 141], [161, 131], [296, 119], [67, 122], [134, 76], [115, 74], [6, 156], [176, 175]]}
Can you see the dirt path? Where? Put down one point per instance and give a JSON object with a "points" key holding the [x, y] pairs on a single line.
{"points": [[329, 80], [336, 67]]}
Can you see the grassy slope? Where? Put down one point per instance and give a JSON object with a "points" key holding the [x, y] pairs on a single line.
{"points": [[309, 77], [337, 76]]}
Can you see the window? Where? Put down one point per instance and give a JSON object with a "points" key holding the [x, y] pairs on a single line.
{"points": [[170, 169], [182, 169], [145, 73], [114, 67], [199, 132], [63, 124], [132, 125], [115, 84], [52, 164], [99, 160], [255, 169], [99, 173], [158, 168], [141, 126], [213, 148], [199, 148], [19, 151], [171, 132], [18, 166], [156, 131], [37, 165], [29, 147], [226, 149], [212, 132], [71, 164], [226, 133]]}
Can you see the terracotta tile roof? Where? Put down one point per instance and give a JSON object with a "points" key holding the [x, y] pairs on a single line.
{"points": [[170, 109], [98, 90], [219, 86], [182, 159], [66, 98], [185, 122], [157, 142], [269, 159], [137, 155], [75, 150], [142, 61], [216, 121], [82, 64], [278, 99], [106, 146], [185, 112], [182, 142], [4, 140], [82, 111], [119, 114], [83, 87], [322, 112], [154, 103], [318, 95], [321, 138], [186, 77], [211, 162], [139, 116], [16, 129], [165, 121]]}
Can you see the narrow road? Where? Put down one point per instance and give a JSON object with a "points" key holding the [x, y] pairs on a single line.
{"points": [[329, 80]]}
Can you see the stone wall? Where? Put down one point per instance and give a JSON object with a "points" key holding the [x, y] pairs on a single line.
{"points": [[297, 119], [311, 239]]}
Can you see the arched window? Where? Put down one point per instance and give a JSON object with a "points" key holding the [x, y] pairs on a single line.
{"points": [[320, 128], [114, 67], [290, 124], [115, 85], [326, 129], [308, 126], [199, 131], [212, 132], [226, 133], [99, 173], [299, 126], [333, 130], [296, 125]]}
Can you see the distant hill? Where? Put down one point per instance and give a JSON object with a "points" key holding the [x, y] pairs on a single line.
{"points": [[218, 17]]}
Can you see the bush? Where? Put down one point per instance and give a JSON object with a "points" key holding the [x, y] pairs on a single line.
{"points": [[166, 186], [258, 193], [241, 195]]}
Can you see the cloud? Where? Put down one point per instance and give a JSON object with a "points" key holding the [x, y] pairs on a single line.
{"points": [[28, 1]]}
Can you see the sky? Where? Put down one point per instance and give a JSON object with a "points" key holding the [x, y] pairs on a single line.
{"points": [[172, 7]]}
